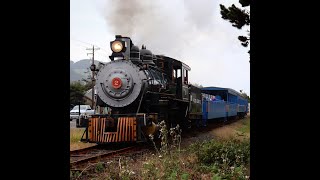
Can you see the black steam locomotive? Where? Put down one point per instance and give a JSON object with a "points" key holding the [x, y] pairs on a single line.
{"points": [[140, 89]]}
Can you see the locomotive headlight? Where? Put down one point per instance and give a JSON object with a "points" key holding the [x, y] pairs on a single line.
{"points": [[116, 46]]}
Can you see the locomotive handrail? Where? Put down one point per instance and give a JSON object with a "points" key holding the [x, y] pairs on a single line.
{"points": [[165, 94], [128, 114], [144, 91]]}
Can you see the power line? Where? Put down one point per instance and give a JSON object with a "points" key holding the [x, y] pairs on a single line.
{"points": [[92, 52], [106, 55], [90, 44], [103, 49], [81, 45], [82, 41], [102, 54]]}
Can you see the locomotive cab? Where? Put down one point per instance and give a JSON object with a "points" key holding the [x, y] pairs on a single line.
{"points": [[180, 78]]}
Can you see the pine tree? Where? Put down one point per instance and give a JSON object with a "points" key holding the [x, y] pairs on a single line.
{"points": [[238, 18]]}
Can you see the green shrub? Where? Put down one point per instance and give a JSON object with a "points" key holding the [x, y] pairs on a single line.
{"points": [[99, 167], [224, 159], [185, 176], [232, 152]]}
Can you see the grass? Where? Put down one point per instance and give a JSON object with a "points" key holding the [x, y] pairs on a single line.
{"points": [[225, 157], [75, 136], [215, 159], [239, 129], [245, 127]]}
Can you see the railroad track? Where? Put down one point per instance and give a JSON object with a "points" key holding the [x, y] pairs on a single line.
{"points": [[81, 158], [83, 150]]}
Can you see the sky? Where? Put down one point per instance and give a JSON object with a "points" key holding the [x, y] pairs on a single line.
{"points": [[191, 31]]}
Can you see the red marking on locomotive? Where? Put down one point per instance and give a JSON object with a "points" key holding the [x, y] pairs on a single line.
{"points": [[116, 83]]}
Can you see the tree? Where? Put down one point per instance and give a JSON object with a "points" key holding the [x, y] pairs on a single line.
{"points": [[238, 18], [88, 81], [244, 95], [77, 91], [197, 85]]}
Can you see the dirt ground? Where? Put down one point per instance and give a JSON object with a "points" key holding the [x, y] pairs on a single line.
{"points": [[219, 131], [80, 145]]}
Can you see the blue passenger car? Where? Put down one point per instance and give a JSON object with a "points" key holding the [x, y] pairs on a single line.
{"points": [[222, 103]]}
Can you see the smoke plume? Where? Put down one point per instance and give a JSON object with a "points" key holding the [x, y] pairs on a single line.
{"points": [[170, 27]]}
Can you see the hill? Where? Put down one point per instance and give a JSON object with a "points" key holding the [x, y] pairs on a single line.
{"points": [[80, 69]]}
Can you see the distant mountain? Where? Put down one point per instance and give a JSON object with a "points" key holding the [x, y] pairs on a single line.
{"points": [[80, 69]]}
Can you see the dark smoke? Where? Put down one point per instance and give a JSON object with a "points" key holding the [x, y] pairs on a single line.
{"points": [[123, 16], [168, 27]]}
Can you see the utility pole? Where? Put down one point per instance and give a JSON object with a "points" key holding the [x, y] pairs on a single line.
{"points": [[93, 68]]}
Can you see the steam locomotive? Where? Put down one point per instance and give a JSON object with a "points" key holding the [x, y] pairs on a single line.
{"points": [[137, 89]]}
